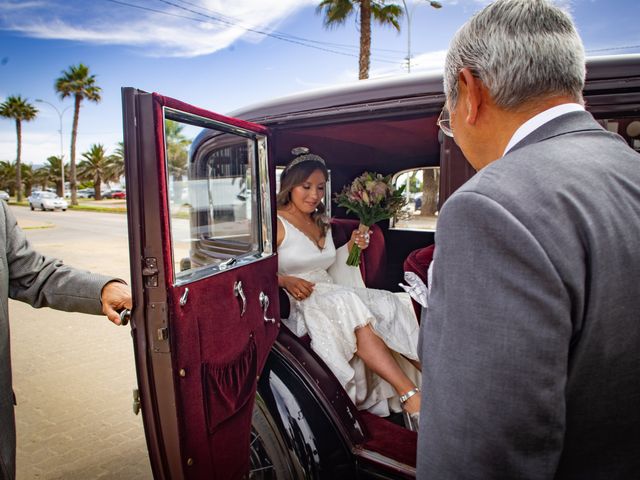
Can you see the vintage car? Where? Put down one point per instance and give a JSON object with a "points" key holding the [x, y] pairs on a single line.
{"points": [[225, 388]]}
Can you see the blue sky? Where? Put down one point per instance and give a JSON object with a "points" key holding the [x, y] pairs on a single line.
{"points": [[209, 53]]}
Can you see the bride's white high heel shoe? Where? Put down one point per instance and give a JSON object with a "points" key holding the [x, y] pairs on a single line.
{"points": [[411, 420]]}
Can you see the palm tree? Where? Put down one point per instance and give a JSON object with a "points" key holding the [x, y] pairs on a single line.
{"points": [[29, 178], [77, 82], [177, 153], [94, 167], [336, 12], [20, 110], [115, 170], [52, 171], [8, 176], [177, 149]]}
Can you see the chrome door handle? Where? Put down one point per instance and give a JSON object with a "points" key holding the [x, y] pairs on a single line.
{"points": [[227, 263], [239, 292], [184, 297], [125, 316], [264, 303]]}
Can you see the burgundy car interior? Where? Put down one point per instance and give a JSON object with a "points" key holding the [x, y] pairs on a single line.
{"points": [[374, 258]]}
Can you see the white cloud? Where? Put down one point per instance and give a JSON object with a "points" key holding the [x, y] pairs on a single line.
{"points": [[423, 62], [161, 34], [19, 5]]}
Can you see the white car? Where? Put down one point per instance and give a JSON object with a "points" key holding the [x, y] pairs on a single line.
{"points": [[47, 201]]}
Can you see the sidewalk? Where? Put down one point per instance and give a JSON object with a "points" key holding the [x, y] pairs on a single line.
{"points": [[74, 374]]}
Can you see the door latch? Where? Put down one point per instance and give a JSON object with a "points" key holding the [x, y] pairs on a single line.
{"points": [[136, 401], [150, 272]]}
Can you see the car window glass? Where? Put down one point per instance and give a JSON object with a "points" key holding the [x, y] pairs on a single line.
{"points": [[218, 195], [422, 187]]}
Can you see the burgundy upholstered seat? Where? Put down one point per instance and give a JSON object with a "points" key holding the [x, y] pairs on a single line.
{"points": [[374, 258]]}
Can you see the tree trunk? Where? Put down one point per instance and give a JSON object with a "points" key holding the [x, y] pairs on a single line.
{"points": [[19, 161], [74, 135], [97, 185], [430, 187], [365, 38]]}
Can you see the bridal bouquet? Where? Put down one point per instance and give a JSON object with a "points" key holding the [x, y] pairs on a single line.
{"points": [[372, 198]]}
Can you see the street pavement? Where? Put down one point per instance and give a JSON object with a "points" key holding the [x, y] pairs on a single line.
{"points": [[73, 373]]}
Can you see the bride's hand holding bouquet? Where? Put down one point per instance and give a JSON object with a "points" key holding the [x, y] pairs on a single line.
{"points": [[372, 197]]}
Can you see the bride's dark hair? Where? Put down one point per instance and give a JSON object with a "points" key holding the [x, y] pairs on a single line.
{"points": [[296, 173]]}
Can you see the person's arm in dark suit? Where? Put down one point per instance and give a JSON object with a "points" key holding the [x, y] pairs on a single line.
{"points": [[494, 349], [46, 282]]}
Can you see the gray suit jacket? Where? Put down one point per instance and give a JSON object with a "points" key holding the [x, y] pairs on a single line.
{"points": [[41, 282], [531, 343]]}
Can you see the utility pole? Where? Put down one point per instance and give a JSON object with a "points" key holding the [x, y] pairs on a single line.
{"points": [[408, 13], [60, 114]]}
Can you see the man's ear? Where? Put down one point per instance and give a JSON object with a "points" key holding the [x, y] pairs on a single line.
{"points": [[471, 90]]}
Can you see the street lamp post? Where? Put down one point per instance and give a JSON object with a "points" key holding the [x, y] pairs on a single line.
{"points": [[60, 114], [433, 4]]}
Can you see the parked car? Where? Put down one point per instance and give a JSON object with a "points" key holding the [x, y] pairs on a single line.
{"points": [[47, 201], [115, 193], [222, 382], [4, 195], [86, 193]]}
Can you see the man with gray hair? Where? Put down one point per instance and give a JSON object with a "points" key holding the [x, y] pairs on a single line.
{"points": [[531, 341]]}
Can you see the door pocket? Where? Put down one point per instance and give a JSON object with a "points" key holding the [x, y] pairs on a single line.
{"points": [[228, 387]]}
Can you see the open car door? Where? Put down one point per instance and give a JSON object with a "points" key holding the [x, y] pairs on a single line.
{"points": [[203, 269]]}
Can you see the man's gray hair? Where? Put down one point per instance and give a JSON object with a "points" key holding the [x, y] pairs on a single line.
{"points": [[521, 50]]}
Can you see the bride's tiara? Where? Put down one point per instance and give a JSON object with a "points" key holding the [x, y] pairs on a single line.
{"points": [[303, 155]]}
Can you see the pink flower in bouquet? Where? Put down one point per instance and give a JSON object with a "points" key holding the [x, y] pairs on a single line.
{"points": [[372, 197]]}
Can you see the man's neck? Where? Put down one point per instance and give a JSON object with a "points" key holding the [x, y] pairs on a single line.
{"points": [[509, 121]]}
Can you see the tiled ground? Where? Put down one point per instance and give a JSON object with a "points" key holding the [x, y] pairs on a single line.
{"points": [[74, 375]]}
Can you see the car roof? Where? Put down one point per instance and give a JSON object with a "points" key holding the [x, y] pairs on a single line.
{"points": [[398, 89], [341, 96]]}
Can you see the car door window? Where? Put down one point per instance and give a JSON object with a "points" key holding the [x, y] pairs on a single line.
{"points": [[422, 191], [219, 216]]}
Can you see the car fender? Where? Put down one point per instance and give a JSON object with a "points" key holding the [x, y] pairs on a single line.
{"points": [[316, 443]]}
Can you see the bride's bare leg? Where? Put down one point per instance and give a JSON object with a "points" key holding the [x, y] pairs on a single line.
{"points": [[377, 356]]}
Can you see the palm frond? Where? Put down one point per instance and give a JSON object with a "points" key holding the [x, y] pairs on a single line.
{"points": [[387, 14], [336, 12]]}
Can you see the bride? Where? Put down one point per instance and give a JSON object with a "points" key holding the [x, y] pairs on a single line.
{"points": [[365, 336]]}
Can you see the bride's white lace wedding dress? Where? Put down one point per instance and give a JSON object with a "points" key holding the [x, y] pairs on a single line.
{"points": [[340, 304]]}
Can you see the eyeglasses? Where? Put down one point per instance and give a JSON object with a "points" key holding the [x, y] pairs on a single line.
{"points": [[444, 122]]}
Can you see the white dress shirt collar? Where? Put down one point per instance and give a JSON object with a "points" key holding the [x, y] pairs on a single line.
{"points": [[540, 119]]}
